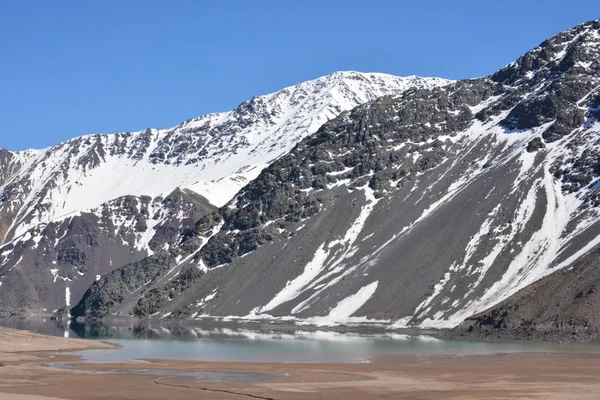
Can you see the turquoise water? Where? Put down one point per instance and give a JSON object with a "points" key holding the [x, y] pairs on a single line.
{"points": [[227, 344]]}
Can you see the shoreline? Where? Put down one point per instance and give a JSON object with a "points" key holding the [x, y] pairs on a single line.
{"points": [[27, 373], [15, 342]]}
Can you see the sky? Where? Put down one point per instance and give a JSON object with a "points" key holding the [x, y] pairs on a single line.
{"points": [[69, 68]]}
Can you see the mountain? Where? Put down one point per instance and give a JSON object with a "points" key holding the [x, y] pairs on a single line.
{"points": [[83, 208], [418, 209]]}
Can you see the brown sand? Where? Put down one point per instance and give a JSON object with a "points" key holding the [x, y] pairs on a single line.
{"points": [[521, 376]]}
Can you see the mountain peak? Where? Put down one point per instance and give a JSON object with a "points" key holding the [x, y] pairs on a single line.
{"points": [[578, 47]]}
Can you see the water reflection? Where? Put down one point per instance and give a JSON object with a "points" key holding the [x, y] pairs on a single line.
{"points": [[218, 343], [149, 331], [45, 326]]}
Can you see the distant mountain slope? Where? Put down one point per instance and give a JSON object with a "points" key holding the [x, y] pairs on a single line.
{"points": [[412, 210], [79, 186]]}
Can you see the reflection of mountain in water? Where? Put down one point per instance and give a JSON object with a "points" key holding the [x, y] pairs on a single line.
{"points": [[139, 330]]}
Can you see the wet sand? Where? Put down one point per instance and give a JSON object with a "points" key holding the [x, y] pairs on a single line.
{"points": [[516, 376]]}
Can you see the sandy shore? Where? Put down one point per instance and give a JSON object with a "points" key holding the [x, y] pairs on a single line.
{"points": [[520, 376]]}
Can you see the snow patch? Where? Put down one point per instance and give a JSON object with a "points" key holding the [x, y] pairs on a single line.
{"points": [[347, 307]]}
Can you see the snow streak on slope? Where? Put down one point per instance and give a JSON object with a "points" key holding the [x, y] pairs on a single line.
{"points": [[326, 262], [343, 311], [540, 255]]}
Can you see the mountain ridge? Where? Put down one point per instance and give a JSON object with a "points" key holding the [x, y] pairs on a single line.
{"points": [[190, 142]]}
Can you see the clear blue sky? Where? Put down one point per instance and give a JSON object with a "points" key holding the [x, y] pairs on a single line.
{"points": [[75, 67]]}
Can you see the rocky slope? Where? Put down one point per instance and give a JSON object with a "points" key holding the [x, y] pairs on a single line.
{"points": [[96, 203], [54, 263], [413, 210], [564, 306]]}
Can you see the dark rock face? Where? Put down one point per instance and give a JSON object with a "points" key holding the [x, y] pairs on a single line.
{"points": [[134, 286], [55, 263], [113, 288], [155, 299], [535, 145], [284, 191], [557, 75]]}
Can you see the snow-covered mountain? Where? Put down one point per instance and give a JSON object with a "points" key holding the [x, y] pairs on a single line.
{"points": [[215, 155], [116, 180], [419, 209]]}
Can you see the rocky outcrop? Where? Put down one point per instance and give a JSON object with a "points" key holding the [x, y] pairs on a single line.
{"points": [[53, 264], [114, 288]]}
